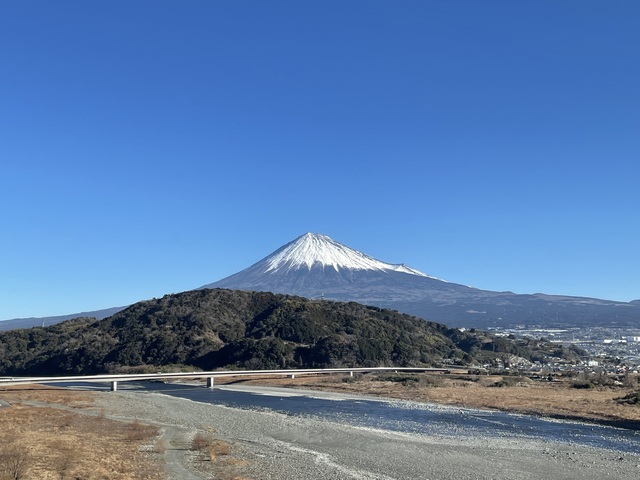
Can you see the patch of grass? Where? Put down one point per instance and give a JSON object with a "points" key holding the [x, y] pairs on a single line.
{"points": [[66, 445], [137, 432]]}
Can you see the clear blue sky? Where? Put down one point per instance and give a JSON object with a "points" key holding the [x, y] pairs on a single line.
{"points": [[151, 147]]}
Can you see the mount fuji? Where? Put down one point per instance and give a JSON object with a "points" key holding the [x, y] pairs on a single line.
{"points": [[316, 266]]}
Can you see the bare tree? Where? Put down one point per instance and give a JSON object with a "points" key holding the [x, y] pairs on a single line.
{"points": [[14, 462]]}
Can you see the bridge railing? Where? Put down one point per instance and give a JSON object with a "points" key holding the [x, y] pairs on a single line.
{"points": [[209, 375]]}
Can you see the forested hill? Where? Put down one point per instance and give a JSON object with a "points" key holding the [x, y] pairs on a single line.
{"points": [[211, 329]]}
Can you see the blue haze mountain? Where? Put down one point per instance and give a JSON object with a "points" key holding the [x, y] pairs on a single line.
{"points": [[46, 321]]}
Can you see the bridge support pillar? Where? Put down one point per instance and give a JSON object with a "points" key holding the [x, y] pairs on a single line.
{"points": [[210, 382], [291, 376], [114, 386]]}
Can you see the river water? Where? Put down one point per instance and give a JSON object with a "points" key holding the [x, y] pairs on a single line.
{"points": [[397, 415]]}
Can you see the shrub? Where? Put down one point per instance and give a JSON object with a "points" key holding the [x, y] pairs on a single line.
{"points": [[506, 382], [201, 441], [218, 448], [431, 380], [632, 398], [404, 378], [583, 385], [593, 380], [65, 461]]}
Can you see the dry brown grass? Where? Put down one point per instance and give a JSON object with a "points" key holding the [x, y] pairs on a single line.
{"points": [[201, 441], [218, 448], [41, 393], [206, 443], [65, 445], [61, 444], [216, 457]]}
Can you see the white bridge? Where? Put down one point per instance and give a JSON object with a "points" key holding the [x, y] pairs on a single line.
{"points": [[113, 379]]}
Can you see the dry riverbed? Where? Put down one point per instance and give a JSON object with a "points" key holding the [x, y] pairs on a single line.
{"points": [[121, 435]]}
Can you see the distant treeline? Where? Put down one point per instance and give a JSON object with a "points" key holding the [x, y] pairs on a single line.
{"points": [[210, 329]]}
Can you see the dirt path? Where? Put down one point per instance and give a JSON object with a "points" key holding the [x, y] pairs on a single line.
{"points": [[177, 455]]}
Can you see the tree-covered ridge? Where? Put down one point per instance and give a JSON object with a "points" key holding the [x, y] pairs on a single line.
{"points": [[211, 329]]}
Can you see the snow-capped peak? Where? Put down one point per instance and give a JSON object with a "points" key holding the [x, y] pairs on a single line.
{"points": [[312, 249]]}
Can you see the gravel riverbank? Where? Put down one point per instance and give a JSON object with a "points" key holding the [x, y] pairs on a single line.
{"points": [[277, 446]]}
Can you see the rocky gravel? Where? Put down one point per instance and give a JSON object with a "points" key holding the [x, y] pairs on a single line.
{"points": [[279, 446]]}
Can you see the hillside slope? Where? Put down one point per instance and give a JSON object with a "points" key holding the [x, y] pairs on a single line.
{"points": [[221, 328], [211, 329]]}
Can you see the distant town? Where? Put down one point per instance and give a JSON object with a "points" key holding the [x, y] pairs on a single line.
{"points": [[608, 350]]}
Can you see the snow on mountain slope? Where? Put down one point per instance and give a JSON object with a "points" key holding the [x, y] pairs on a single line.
{"points": [[311, 250]]}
